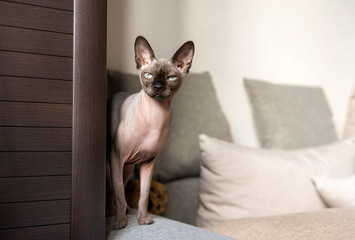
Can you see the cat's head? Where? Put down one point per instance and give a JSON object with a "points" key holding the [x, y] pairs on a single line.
{"points": [[162, 78]]}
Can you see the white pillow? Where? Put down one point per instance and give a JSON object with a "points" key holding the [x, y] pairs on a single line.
{"points": [[239, 182], [337, 192]]}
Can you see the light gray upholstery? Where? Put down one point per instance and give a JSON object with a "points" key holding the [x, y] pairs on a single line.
{"points": [[162, 229], [122, 82], [290, 117], [183, 199]]}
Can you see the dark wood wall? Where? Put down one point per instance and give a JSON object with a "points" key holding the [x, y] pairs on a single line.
{"points": [[89, 121], [36, 92]]}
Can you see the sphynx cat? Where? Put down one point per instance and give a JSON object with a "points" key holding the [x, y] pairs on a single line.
{"points": [[140, 124]]}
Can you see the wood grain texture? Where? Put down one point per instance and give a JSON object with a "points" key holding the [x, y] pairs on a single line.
{"points": [[26, 164], [35, 114], [29, 214], [35, 139], [36, 66], [22, 189], [33, 17], [34, 41], [52, 232], [35, 90], [62, 4], [89, 124]]}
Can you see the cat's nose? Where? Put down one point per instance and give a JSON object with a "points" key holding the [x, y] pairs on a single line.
{"points": [[158, 86]]}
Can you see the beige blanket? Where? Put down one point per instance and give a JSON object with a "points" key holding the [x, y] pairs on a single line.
{"points": [[329, 224]]}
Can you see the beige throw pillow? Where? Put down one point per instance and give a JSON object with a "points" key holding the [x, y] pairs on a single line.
{"points": [[239, 182], [336, 191], [349, 130]]}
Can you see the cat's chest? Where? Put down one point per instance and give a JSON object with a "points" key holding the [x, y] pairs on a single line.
{"points": [[137, 139]]}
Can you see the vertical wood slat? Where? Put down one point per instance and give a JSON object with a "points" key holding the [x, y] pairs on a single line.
{"points": [[89, 125]]}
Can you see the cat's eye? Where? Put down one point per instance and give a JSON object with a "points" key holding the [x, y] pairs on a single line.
{"points": [[172, 78], [148, 75]]}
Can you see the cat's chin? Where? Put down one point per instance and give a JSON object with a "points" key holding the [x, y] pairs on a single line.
{"points": [[158, 96]]}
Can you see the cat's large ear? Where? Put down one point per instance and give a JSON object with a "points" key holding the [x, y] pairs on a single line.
{"points": [[183, 56], [143, 52]]}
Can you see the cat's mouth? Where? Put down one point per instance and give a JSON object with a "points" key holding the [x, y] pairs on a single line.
{"points": [[158, 95]]}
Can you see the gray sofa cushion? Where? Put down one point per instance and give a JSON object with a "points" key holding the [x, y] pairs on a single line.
{"points": [[162, 229], [196, 110], [122, 82], [290, 117], [183, 200]]}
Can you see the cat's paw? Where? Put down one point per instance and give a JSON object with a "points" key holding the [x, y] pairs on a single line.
{"points": [[119, 223], [145, 220]]}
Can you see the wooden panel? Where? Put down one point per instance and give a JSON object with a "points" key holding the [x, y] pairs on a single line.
{"points": [[14, 215], [22, 189], [17, 164], [35, 90], [37, 66], [62, 4], [35, 114], [34, 41], [53, 232], [88, 209], [35, 139], [27, 16]]}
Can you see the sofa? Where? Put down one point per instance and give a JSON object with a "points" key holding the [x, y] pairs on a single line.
{"points": [[217, 189]]}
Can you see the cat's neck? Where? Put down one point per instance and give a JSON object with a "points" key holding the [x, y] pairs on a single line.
{"points": [[152, 103]]}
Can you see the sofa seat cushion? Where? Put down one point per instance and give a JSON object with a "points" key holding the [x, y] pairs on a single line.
{"points": [[328, 224], [162, 229]]}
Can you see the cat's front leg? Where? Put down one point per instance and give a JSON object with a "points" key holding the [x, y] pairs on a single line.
{"points": [[146, 172], [120, 220]]}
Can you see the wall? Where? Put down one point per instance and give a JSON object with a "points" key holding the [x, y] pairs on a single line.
{"points": [[305, 42], [36, 86]]}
